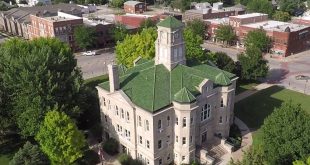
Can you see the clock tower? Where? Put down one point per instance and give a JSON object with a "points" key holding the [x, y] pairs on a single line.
{"points": [[170, 46]]}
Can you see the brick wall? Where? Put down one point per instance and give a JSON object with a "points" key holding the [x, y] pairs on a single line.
{"points": [[131, 20]]}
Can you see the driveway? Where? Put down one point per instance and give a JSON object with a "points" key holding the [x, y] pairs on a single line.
{"points": [[281, 71], [92, 66]]}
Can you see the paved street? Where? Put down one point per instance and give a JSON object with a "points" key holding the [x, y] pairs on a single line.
{"points": [[282, 71], [93, 66]]}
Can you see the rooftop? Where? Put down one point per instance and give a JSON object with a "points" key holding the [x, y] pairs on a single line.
{"points": [[146, 84], [224, 20], [61, 18], [249, 15], [276, 26], [170, 22], [132, 2], [95, 22]]}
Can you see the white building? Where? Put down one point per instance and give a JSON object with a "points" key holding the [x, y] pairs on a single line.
{"points": [[34, 2], [162, 111]]}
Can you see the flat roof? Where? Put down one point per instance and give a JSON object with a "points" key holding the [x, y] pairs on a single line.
{"points": [[224, 20], [249, 15], [132, 2], [307, 18], [61, 18], [138, 15], [276, 26], [90, 22]]}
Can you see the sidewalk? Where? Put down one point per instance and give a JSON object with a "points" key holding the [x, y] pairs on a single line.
{"points": [[246, 139]]}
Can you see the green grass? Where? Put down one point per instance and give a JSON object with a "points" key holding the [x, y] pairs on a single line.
{"points": [[254, 109], [5, 159], [244, 86]]}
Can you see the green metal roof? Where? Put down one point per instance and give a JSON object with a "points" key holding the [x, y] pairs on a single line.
{"points": [[184, 96], [153, 87], [170, 22]]}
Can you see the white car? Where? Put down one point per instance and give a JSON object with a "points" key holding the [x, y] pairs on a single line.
{"points": [[89, 53]]}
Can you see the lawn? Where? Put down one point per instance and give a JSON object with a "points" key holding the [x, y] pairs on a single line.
{"points": [[254, 109]]}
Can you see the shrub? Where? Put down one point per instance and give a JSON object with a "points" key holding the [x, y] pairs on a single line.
{"points": [[111, 146], [125, 159]]}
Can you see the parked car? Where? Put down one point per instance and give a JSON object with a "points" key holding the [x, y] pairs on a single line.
{"points": [[302, 77], [89, 53]]}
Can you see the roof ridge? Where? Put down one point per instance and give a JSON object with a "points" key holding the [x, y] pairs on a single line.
{"points": [[154, 86]]}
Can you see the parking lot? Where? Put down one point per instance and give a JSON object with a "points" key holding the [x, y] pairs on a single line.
{"points": [[281, 71], [93, 66]]}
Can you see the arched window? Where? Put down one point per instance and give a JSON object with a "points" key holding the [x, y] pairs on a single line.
{"points": [[184, 121], [168, 120], [159, 124]]}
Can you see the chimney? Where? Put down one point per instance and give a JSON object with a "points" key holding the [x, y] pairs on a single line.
{"points": [[113, 77]]}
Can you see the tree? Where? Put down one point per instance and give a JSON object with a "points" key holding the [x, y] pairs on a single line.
{"points": [[222, 61], [282, 16], [84, 37], [117, 3], [194, 52], [253, 156], [260, 6], [290, 6], [225, 33], [37, 75], [300, 162], [29, 154], [253, 66], [60, 139], [119, 32], [181, 4], [133, 46], [147, 23], [259, 39], [197, 26], [286, 134]]}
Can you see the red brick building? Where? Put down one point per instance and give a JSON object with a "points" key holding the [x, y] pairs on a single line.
{"points": [[60, 26], [134, 20], [134, 7], [287, 38]]}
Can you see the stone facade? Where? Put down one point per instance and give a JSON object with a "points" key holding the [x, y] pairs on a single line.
{"points": [[175, 133]]}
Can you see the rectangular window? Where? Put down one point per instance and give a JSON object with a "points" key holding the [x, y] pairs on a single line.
{"points": [[205, 112], [147, 144], [191, 139], [147, 125], [106, 118], [176, 121], [140, 139], [168, 139], [176, 139], [160, 162], [159, 144], [183, 158], [221, 120], [139, 121], [222, 103], [184, 121], [184, 140], [168, 157], [122, 113], [118, 130], [168, 120], [127, 114], [104, 103], [116, 109], [192, 120]]}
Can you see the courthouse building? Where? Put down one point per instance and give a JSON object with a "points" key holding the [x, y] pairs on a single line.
{"points": [[162, 111]]}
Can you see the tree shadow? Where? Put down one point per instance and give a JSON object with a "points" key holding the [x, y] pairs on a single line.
{"points": [[129, 78], [276, 75], [10, 144], [254, 109]]}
